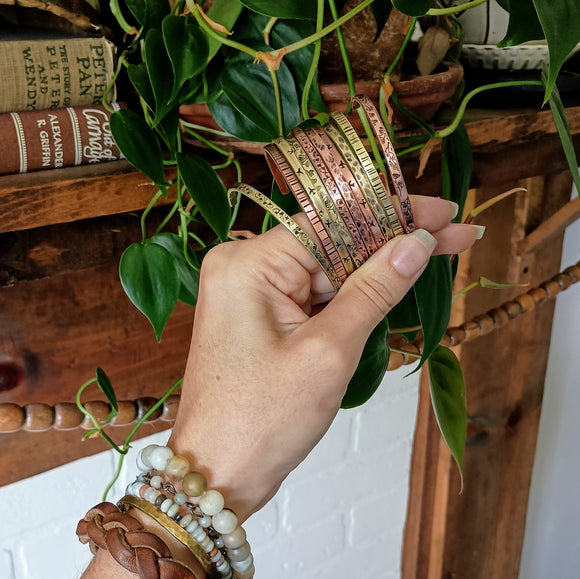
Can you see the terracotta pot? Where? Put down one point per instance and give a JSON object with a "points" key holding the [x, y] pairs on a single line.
{"points": [[422, 95]]}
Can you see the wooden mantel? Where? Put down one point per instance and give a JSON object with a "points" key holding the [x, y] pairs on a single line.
{"points": [[63, 313]]}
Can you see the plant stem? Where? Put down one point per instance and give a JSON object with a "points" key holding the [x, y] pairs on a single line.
{"points": [[455, 9], [461, 110], [405, 352], [277, 94], [327, 30], [205, 129], [116, 12], [80, 405], [211, 32], [403, 46], [410, 149], [314, 64], [120, 462], [167, 218], [197, 238], [406, 330], [268, 29], [344, 55], [146, 212], [206, 141]]}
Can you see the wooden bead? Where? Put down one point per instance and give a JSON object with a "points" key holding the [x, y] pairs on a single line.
{"points": [[39, 417], [127, 413], [12, 417], [456, 336], [395, 361], [67, 416], [485, 323], [563, 281], [499, 316], [472, 330], [194, 484], [446, 341], [513, 309], [170, 407], [538, 294], [99, 409], [144, 404], [552, 288], [526, 301], [573, 272]]}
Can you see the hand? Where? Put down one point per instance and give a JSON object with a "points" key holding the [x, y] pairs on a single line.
{"points": [[269, 365]]}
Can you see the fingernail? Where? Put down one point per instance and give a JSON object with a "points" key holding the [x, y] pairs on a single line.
{"points": [[408, 256], [480, 229], [455, 207]]}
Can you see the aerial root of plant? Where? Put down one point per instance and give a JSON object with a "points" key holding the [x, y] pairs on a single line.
{"points": [[425, 154], [132, 32], [491, 202], [271, 59]]}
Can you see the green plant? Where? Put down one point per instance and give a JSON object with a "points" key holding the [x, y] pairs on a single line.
{"points": [[259, 82]]}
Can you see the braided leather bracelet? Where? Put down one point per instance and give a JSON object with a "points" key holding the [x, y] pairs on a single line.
{"points": [[138, 551]]}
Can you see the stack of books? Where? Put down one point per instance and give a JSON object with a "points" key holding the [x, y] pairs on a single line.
{"points": [[51, 90]]}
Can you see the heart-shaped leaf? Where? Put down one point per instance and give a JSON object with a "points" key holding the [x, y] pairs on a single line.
{"points": [[138, 143], [160, 72], [433, 291], [207, 191], [248, 86], [381, 10], [139, 76], [301, 9], [187, 48], [563, 128], [371, 368], [405, 315], [151, 281], [523, 24], [149, 13], [456, 168], [412, 7], [188, 275], [448, 399], [226, 13], [107, 389]]}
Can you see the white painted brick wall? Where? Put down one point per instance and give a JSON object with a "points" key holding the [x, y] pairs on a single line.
{"points": [[340, 515]]}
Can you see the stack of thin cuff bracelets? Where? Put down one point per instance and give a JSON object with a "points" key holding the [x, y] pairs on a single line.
{"points": [[331, 175]]}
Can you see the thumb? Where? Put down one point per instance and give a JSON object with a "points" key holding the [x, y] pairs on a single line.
{"points": [[374, 289]]}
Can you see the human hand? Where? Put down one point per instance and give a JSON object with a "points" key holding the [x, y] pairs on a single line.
{"points": [[268, 365]]}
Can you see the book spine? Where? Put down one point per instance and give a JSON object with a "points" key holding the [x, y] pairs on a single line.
{"points": [[56, 138], [58, 73]]}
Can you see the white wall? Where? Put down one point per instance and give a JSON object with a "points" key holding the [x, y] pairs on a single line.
{"points": [[341, 511], [552, 536]]}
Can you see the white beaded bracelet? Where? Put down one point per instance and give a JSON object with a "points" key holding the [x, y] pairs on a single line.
{"points": [[198, 510]]}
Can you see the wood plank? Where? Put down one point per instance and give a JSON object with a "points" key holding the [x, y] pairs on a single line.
{"points": [[504, 373], [63, 195]]}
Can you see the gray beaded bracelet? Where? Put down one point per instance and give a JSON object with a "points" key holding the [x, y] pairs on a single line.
{"points": [[199, 511]]}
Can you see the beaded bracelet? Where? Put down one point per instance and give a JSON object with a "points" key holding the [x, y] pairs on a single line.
{"points": [[196, 509]]}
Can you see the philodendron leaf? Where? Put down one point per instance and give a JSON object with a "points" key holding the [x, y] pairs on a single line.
{"points": [[433, 291], [523, 24], [249, 87], [560, 20], [139, 76], [149, 13], [187, 48], [456, 167], [226, 13], [413, 7], [207, 191], [371, 368], [381, 10], [150, 279], [235, 123], [188, 275], [563, 128], [300, 9], [138, 143], [448, 399], [107, 389], [160, 72], [405, 315]]}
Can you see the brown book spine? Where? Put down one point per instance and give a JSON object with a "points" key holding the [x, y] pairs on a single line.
{"points": [[53, 74], [56, 138]]}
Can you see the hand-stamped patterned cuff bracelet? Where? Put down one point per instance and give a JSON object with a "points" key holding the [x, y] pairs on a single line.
{"points": [[195, 515], [332, 176]]}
